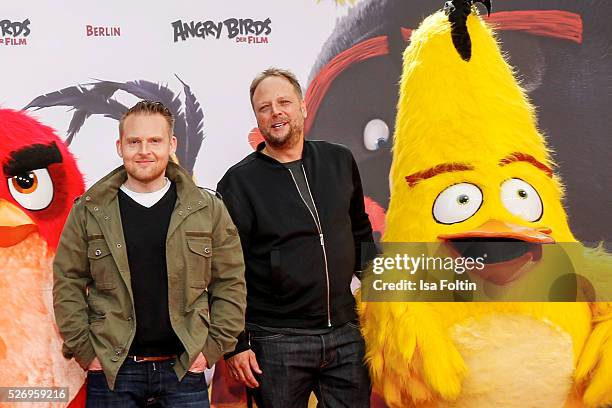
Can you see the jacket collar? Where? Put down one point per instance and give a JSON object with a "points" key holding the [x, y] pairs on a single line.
{"points": [[263, 156], [105, 190]]}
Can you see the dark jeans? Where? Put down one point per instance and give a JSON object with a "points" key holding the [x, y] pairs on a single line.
{"points": [[147, 384], [331, 365]]}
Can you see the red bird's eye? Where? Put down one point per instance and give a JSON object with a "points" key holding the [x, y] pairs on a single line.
{"points": [[25, 183], [33, 190]]}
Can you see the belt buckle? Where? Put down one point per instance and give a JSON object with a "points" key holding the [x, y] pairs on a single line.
{"points": [[139, 360]]}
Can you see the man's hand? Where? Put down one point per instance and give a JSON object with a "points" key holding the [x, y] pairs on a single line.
{"points": [[95, 365], [241, 367], [199, 365]]}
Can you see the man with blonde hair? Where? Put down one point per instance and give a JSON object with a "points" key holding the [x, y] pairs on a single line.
{"points": [[149, 276]]}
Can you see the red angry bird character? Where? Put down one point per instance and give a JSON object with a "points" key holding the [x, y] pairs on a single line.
{"points": [[39, 184]]}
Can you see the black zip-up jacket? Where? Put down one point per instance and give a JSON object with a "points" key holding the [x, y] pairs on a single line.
{"points": [[299, 265]]}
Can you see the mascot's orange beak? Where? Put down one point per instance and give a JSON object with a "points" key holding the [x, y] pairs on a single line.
{"points": [[511, 250], [502, 229], [15, 225]]}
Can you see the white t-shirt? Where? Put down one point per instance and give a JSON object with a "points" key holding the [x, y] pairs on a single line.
{"points": [[147, 199]]}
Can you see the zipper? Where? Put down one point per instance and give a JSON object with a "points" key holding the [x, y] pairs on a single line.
{"points": [[317, 222]]}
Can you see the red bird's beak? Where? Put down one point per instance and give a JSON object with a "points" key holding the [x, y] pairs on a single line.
{"points": [[15, 225]]}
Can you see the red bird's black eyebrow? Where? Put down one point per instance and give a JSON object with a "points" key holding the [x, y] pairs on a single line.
{"points": [[36, 156]]}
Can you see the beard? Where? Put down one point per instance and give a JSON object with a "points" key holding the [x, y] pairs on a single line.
{"points": [[289, 139], [146, 174]]}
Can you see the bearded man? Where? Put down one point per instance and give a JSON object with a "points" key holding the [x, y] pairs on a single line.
{"points": [[149, 277], [298, 206]]}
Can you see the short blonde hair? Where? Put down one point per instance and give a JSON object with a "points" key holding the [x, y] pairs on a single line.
{"points": [[278, 72], [147, 107]]}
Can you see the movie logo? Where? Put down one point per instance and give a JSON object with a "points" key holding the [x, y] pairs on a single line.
{"points": [[240, 30], [14, 32]]}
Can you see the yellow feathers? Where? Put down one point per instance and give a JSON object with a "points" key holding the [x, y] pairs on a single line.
{"points": [[465, 108], [453, 111], [470, 163]]}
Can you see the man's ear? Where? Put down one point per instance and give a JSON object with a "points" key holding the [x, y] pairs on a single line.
{"points": [[173, 144], [303, 109], [118, 144]]}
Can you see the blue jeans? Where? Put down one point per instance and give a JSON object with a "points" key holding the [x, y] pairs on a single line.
{"points": [[147, 384], [331, 365]]}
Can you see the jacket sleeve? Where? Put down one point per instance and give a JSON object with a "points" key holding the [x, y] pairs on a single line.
{"points": [[71, 276], [365, 249], [227, 289], [241, 215], [243, 344]]}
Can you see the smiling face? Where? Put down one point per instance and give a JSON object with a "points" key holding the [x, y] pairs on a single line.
{"points": [[145, 146], [279, 111]]}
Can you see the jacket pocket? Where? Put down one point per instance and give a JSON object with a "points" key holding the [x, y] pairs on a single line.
{"points": [[199, 261], [101, 264], [297, 277]]}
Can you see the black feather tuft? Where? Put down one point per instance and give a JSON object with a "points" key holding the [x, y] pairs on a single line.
{"points": [[458, 12]]}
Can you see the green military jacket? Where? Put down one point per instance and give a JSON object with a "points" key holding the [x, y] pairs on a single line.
{"points": [[92, 294]]}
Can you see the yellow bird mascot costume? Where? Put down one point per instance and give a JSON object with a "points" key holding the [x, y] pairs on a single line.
{"points": [[469, 163]]}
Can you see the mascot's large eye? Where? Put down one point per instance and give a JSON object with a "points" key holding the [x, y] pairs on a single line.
{"points": [[375, 134], [457, 203], [33, 189], [521, 199]]}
